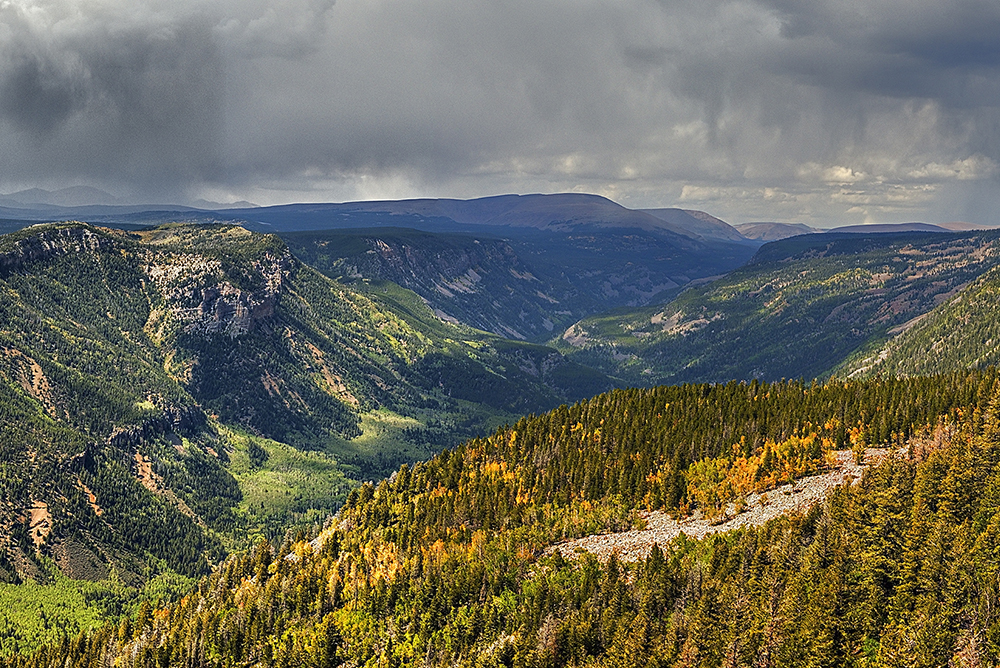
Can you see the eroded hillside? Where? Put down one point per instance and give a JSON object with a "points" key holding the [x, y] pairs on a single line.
{"points": [[961, 333]]}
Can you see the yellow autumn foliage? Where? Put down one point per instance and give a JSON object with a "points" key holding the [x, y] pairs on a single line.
{"points": [[714, 482]]}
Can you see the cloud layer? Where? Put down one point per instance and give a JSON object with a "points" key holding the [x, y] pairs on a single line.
{"points": [[825, 111]]}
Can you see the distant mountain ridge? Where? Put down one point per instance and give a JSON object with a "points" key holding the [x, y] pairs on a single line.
{"points": [[889, 228], [700, 223], [64, 197], [537, 211], [76, 197], [773, 231], [555, 212]]}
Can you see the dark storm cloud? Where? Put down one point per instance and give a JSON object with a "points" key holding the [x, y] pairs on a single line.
{"points": [[35, 95], [944, 50], [132, 94], [943, 32], [874, 109], [112, 95], [749, 107]]}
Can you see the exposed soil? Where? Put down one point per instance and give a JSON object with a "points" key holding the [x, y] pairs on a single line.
{"points": [[41, 522], [31, 378], [144, 468], [661, 529], [91, 497], [153, 482], [575, 336]]}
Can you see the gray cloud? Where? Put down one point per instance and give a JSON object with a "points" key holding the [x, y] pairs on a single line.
{"points": [[36, 96], [823, 111]]}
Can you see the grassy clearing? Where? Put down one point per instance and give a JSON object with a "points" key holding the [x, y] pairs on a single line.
{"points": [[32, 613], [282, 486], [389, 440], [35, 613]]}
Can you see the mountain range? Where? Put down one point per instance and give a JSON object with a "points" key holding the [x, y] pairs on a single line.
{"points": [[184, 406]]}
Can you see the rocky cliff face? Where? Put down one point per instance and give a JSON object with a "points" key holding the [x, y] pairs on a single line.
{"points": [[197, 290], [186, 420], [202, 298], [478, 282], [482, 283], [403, 263]]}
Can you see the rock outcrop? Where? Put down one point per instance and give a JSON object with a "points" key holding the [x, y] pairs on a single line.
{"points": [[50, 243], [201, 298]]}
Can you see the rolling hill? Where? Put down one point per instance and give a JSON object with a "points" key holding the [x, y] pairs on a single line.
{"points": [[889, 228]]}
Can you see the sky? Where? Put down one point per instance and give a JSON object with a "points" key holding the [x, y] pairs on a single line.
{"points": [[825, 111]]}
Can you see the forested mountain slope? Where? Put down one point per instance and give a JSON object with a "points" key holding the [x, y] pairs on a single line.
{"points": [[962, 333], [479, 281], [440, 565], [137, 369], [799, 309]]}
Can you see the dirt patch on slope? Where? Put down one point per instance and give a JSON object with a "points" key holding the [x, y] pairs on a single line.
{"points": [[30, 377], [153, 482], [334, 383], [40, 522], [575, 336], [91, 497], [144, 469]]}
